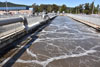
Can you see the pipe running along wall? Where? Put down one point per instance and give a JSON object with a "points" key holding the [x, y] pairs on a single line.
{"points": [[4, 42]]}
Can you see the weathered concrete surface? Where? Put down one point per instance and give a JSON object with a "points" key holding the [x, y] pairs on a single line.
{"points": [[93, 21], [64, 43], [89, 18]]}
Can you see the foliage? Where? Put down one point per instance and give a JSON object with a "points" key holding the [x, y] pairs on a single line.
{"points": [[87, 8], [63, 8]]}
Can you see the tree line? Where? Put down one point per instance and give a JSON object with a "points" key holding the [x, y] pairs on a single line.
{"points": [[87, 8], [49, 8]]}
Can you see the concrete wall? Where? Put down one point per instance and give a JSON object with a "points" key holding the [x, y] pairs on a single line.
{"points": [[95, 19], [6, 41]]}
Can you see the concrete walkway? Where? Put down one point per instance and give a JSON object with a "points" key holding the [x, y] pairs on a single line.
{"points": [[90, 20]]}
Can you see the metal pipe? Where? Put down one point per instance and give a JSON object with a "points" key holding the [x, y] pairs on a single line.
{"points": [[6, 7], [11, 21], [15, 20]]}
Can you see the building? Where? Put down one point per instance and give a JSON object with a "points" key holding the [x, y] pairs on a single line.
{"points": [[15, 10]]}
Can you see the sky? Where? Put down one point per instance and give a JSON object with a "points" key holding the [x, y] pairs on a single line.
{"points": [[69, 3]]}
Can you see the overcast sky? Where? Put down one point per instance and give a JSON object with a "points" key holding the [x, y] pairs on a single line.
{"points": [[69, 3]]}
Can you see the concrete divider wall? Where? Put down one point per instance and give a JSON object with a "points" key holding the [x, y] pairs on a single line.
{"points": [[88, 20], [7, 40]]}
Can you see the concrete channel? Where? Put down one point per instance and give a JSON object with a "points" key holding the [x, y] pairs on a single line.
{"points": [[10, 37], [62, 43]]}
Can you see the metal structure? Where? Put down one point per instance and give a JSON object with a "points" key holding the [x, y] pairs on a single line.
{"points": [[6, 7], [14, 20], [8, 35]]}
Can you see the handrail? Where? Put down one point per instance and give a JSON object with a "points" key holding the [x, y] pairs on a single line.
{"points": [[15, 20]]}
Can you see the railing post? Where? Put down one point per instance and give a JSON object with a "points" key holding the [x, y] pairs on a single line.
{"points": [[15, 20], [25, 22]]}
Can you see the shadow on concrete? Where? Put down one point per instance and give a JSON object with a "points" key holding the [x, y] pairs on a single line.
{"points": [[33, 37]]}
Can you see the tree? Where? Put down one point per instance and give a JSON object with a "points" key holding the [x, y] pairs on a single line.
{"points": [[97, 8], [80, 8], [74, 10], [35, 8], [55, 7], [87, 8], [49, 9], [43, 7], [91, 10], [77, 9], [63, 8]]}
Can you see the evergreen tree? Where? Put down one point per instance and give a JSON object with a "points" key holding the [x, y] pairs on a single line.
{"points": [[87, 8], [63, 8], [97, 8]]}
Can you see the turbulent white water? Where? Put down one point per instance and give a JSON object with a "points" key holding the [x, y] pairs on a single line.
{"points": [[78, 51], [45, 63]]}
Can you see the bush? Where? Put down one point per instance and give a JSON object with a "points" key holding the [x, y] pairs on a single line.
{"points": [[86, 11]]}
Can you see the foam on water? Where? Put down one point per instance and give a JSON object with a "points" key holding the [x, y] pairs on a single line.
{"points": [[46, 62], [30, 53], [95, 47], [76, 31], [63, 38], [79, 47]]}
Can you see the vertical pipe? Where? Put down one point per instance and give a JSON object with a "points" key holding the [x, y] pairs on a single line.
{"points": [[6, 7]]}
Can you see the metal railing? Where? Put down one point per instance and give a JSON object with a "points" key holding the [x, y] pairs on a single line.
{"points": [[14, 20], [12, 25]]}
